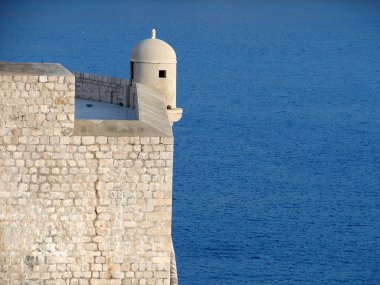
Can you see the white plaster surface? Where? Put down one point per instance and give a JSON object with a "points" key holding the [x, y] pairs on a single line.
{"points": [[93, 110], [153, 51]]}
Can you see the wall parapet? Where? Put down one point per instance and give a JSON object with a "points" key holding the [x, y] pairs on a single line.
{"points": [[102, 88], [36, 100]]}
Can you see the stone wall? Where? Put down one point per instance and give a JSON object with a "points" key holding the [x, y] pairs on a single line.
{"points": [[78, 208], [102, 88]]}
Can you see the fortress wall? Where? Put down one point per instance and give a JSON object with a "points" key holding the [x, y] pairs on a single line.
{"points": [[34, 107], [102, 88], [78, 209]]}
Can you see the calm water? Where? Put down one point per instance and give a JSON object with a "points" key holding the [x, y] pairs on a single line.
{"points": [[277, 163]]}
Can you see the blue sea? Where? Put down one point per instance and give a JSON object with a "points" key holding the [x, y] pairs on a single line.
{"points": [[277, 157]]}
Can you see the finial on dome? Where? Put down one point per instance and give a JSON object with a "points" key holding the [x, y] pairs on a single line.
{"points": [[153, 33]]}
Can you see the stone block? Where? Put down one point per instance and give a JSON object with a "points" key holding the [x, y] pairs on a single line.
{"points": [[88, 140], [42, 79]]}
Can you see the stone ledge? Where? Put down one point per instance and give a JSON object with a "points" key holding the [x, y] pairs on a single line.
{"points": [[49, 69], [117, 128]]}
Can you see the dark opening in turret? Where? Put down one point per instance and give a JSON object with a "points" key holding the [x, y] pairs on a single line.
{"points": [[162, 74]]}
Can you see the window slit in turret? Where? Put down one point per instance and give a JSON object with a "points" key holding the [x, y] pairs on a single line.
{"points": [[162, 74]]}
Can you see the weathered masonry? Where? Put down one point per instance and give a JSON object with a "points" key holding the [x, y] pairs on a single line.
{"points": [[89, 200]]}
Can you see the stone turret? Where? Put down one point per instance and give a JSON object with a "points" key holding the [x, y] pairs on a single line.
{"points": [[154, 64]]}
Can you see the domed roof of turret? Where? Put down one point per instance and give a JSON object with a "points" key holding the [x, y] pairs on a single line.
{"points": [[153, 51]]}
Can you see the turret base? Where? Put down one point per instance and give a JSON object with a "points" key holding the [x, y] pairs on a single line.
{"points": [[174, 115]]}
